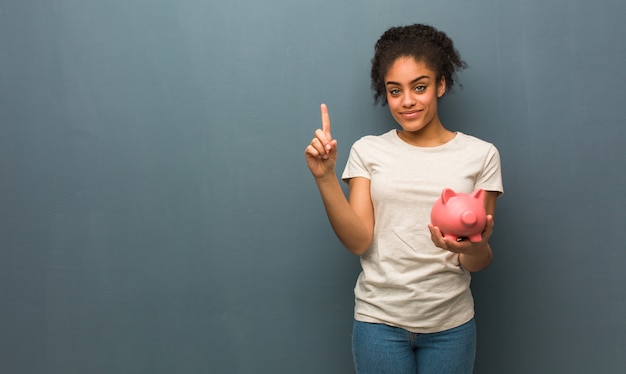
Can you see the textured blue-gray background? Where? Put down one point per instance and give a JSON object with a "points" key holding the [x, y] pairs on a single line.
{"points": [[157, 216]]}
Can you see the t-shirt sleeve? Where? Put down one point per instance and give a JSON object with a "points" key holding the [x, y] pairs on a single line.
{"points": [[490, 179], [355, 167]]}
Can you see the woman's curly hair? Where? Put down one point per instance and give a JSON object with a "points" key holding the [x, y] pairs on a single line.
{"points": [[423, 43]]}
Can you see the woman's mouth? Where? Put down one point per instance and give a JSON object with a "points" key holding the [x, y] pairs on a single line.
{"points": [[410, 114]]}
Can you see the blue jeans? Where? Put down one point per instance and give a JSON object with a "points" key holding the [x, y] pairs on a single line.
{"points": [[379, 348]]}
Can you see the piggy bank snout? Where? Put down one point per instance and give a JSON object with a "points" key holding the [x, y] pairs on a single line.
{"points": [[469, 218]]}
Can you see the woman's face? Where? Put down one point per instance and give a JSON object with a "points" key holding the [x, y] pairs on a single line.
{"points": [[412, 94]]}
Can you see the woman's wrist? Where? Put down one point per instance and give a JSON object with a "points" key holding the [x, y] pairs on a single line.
{"points": [[479, 258]]}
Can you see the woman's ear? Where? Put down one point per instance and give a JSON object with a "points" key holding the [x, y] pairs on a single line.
{"points": [[441, 87]]}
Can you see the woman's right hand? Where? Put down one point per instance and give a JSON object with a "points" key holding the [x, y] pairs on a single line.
{"points": [[321, 153]]}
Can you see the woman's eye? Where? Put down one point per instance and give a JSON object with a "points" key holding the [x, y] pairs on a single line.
{"points": [[420, 88], [394, 91]]}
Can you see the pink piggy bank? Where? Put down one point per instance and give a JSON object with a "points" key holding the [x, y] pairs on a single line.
{"points": [[460, 215]]}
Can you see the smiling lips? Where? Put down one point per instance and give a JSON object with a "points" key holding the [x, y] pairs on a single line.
{"points": [[410, 114]]}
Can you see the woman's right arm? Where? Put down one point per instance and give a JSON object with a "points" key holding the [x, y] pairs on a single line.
{"points": [[352, 219]]}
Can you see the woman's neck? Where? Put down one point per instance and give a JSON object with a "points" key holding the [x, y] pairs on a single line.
{"points": [[428, 137]]}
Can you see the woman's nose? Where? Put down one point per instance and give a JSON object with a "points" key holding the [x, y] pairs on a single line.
{"points": [[408, 100]]}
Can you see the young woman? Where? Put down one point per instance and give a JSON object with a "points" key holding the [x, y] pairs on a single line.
{"points": [[414, 310]]}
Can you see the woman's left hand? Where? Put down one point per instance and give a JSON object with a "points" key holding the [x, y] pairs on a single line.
{"points": [[474, 256]]}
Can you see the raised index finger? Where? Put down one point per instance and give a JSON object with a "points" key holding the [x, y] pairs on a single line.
{"points": [[325, 121]]}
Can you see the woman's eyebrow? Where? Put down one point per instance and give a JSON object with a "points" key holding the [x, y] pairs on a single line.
{"points": [[412, 82]]}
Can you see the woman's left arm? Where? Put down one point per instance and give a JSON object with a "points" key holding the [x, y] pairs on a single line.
{"points": [[472, 256]]}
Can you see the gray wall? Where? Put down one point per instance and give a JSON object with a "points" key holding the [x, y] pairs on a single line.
{"points": [[157, 216]]}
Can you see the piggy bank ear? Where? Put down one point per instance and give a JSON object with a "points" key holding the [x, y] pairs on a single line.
{"points": [[447, 194], [479, 194]]}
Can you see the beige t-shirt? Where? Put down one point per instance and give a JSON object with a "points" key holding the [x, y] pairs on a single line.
{"points": [[406, 281]]}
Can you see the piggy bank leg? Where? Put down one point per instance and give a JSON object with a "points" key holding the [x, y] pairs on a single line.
{"points": [[476, 238]]}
